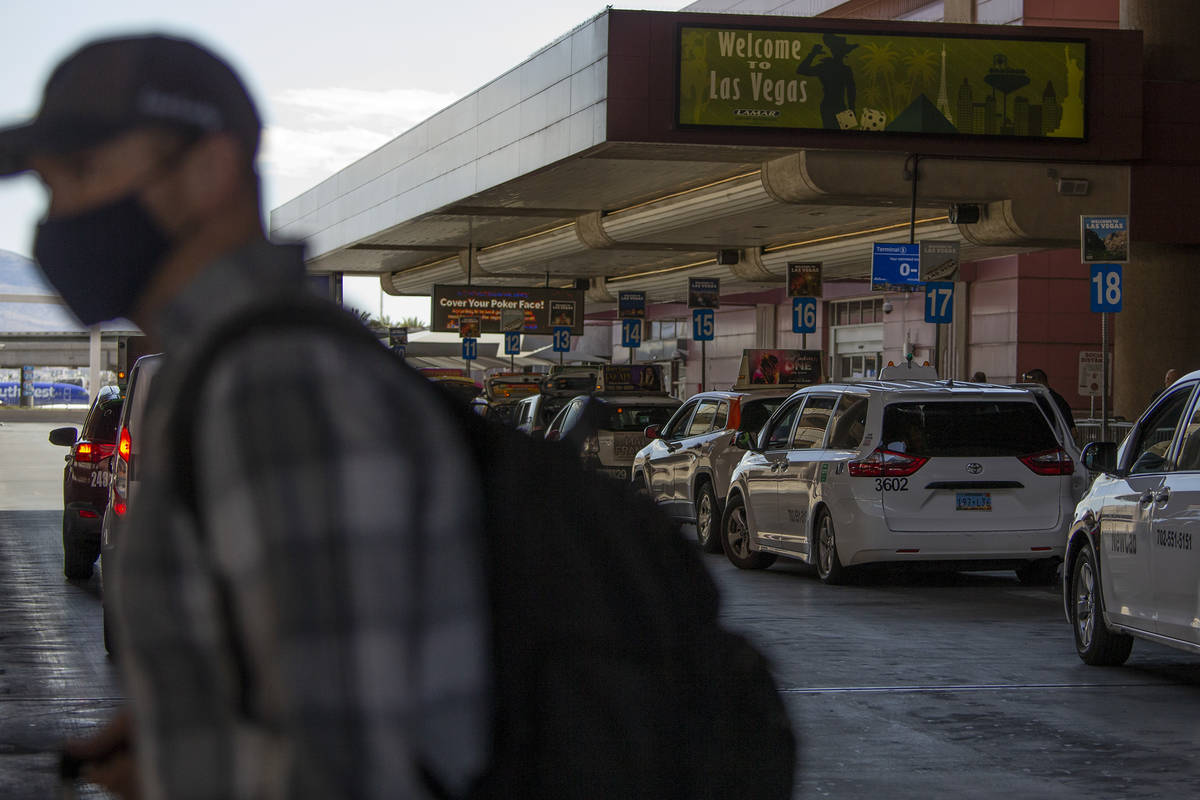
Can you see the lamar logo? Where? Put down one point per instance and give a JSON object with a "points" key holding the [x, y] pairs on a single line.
{"points": [[756, 113]]}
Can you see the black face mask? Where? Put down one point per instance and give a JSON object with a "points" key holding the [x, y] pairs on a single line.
{"points": [[101, 260]]}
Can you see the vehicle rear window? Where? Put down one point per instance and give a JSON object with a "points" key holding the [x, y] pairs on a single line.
{"points": [[102, 424], [755, 413], [632, 417], [967, 428]]}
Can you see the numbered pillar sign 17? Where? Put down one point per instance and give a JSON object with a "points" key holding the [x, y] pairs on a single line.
{"points": [[704, 324], [939, 302], [562, 339], [1106, 291], [631, 333], [804, 315], [512, 343], [470, 349]]}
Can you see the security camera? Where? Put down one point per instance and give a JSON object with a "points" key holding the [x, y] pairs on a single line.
{"points": [[887, 306]]}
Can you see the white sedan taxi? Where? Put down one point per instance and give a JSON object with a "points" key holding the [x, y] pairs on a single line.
{"points": [[904, 470], [1133, 557]]}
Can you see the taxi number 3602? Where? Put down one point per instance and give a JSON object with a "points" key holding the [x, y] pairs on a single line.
{"points": [[891, 484]]}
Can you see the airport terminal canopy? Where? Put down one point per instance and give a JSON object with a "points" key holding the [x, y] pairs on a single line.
{"points": [[645, 147]]}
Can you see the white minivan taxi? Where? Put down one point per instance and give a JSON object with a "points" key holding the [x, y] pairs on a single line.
{"points": [[902, 470], [1132, 565]]}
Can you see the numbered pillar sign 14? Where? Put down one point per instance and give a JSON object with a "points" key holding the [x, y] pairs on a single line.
{"points": [[562, 339], [631, 333], [804, 315], [939, 302], [1106, 292], [704, 324]]}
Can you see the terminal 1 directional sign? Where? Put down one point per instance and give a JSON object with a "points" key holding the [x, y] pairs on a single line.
{"points": [[631, 333], [804, 315], [512, 343], [939, 302], [470, 349], [1106, 290], [895, 267], [562, 339], [704, 324]]}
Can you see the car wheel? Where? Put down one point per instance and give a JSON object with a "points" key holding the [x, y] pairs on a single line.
{"points": [[735, 538], [1038, 573], [708, 518], [829, 566], [1094, 642], [77, 559]]}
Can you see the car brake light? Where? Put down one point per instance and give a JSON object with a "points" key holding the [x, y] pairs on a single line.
{"points": [[884, 463], [119, 507], [91, 452], [87, 514], [1050, 462], [124, 445], [83, 452]]}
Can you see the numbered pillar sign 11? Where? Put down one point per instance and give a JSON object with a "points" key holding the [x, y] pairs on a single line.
{"points": [[631, 333], [939, 302], [470, 349], [804, 315], [562, 339], [1106, 291], [704, 324], [512, 343]]}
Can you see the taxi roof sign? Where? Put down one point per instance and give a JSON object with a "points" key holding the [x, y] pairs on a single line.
{"points": [[908, 371], [762, 369], [631, 379]]}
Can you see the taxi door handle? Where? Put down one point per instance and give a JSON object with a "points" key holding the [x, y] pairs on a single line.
{"points": [[1163, 497], [1146, 499]]}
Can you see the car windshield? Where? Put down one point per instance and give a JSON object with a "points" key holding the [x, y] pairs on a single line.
{"points": [[971, 428], [632, 417], [755, 413]]}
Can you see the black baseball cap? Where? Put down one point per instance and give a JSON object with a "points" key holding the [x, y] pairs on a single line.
{"points": [[112, 86]]}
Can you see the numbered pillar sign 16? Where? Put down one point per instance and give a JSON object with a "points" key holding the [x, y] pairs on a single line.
{"points": [[704, 324], [562, 339], [939, 302], [1106, 291], [631, 333], [804, 315], [470, 349]]}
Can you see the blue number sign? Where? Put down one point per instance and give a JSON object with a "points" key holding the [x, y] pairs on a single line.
{"points": [[939, 302], [631, 333], [1106, 292], [804, 315], [470, 349], [512, 343], [562, 339], [704, 324], [895, 267]]}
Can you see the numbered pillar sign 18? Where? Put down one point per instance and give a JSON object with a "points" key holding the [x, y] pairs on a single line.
{"points": [[470, 349], [1106, 291], [939, 302], [704, 324], [512, 343], [562, 339], [804, 315], [631, 333]]}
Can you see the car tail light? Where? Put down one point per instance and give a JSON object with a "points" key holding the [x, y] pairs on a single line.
{"points": [[1050, 462], [884, 463], [91, 452], [119, 508], [88, 514], [124, 445]]}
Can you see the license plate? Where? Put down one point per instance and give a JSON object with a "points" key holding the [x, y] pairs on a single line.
{"points": [[619, 473], [628, 446], [981, 501]]}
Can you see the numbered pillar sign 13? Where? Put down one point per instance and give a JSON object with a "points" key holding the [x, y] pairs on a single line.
{"points": [[562, 339], [1105, 288], [939, 302], [704, 324], [804, 315], [631, 333]]}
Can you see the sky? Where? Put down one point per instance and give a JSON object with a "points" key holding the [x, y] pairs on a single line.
{"points": [[333, 80]]}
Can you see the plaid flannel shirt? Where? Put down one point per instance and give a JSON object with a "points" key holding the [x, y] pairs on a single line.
{"points": [[322, 628]]}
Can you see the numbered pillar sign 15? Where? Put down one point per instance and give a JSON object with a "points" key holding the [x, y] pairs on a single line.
{"points": [[939, 302], [704, 324], [804, 315], [1105, 287]]}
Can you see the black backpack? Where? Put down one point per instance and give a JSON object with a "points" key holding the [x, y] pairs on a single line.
{"points": [[613, 677]]}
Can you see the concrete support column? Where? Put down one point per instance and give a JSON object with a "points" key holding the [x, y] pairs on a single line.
{"points": [[94, 363], [1157, 328], [959, 11]]}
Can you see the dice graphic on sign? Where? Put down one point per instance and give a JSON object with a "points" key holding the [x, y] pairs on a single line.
{"points": [[846, 120], [873, 119]]}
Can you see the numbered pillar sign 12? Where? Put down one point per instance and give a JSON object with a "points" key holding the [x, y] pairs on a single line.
{"points": [[804, 315], [470, 349], [939, 302], [512, 343], [562, 339], [1105, 288], [704, 324], [631, 333]]}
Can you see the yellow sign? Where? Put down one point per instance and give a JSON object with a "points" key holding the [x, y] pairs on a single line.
{"points": [[882, 83]]}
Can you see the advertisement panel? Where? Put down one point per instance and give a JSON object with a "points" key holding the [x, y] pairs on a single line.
{"points": [[631, 305], [772, 367], [488, 304], [704, 292], [882, 83], [803, 279], [1104, 239], [624, 378]]}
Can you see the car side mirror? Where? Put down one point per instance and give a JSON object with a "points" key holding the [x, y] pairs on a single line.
{"points": [[1100, 457], [63, 437], [653, 432], [745, 440]]}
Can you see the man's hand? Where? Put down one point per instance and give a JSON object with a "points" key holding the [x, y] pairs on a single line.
{"points": [[107, 759]]}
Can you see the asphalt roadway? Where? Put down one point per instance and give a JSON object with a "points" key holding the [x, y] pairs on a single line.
{"points": [[900, 686]]}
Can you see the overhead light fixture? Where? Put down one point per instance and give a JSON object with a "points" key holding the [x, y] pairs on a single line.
{"points": [[964, 213], [728, 257]]}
